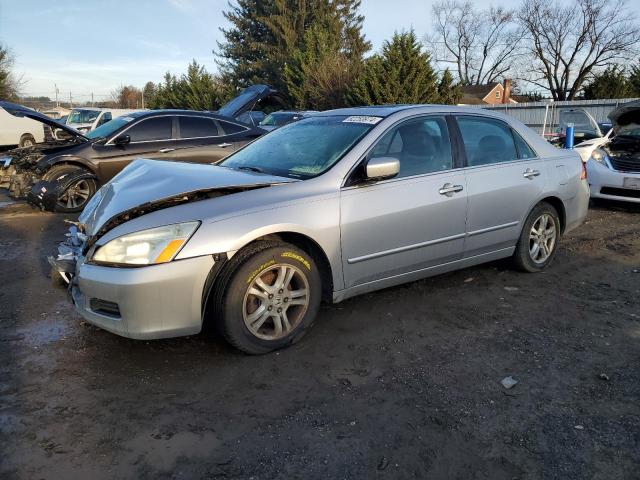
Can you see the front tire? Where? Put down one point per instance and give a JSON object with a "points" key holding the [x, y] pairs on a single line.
{"points": [[27, 140], [268, 297], [539, 239], [77, 194]]}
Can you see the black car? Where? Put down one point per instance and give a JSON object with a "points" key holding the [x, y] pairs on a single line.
{"points": [[62, 175]]}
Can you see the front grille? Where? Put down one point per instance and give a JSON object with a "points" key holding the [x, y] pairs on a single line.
{"points": [[105, 307], [625, 164], [620, 192]]}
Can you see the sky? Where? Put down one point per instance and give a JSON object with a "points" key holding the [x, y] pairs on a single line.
{"points": [[94, 46]]}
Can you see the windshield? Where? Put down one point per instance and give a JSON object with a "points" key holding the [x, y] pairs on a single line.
{"points": [[303, 149], [108, 128], [82, 116]]}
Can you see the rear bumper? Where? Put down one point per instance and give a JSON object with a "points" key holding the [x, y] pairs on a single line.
{"points": [[609, 184], [576, 208], [157, 301]]}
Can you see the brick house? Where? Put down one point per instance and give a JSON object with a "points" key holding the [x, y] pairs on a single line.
{"points": [[491, 93]]}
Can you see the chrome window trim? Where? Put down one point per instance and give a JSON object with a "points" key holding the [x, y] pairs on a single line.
{"points": [[110, 141], [377, 139]]}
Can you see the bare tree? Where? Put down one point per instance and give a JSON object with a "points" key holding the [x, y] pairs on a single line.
{"points": [[127, 96], [483, 45], [569, 42]]}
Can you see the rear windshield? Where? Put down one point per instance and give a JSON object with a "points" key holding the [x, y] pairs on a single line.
{"points": [[303, 149]]}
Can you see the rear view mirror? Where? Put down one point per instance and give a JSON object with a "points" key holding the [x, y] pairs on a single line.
{"points": [[380, 168], [122, 140]]}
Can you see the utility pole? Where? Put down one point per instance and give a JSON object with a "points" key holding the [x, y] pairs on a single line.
{"points": [[57, 91], [92, 99], [70, 100], [142, 97]]}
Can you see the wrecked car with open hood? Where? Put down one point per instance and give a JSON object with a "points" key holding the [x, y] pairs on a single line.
{"points": [[337, 204], [63, 173], [613, 161]]}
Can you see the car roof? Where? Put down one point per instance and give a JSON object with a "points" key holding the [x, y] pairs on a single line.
{"points": [[172, 111], [388, 110]]}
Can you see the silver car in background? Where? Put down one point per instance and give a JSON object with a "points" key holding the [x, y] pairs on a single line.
{"points": [[334, 205]]}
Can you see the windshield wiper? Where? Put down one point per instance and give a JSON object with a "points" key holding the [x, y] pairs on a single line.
{"points": [[251, 169]]}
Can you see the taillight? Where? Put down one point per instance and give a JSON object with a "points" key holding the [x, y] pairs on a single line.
{"points": [[583, 174]]}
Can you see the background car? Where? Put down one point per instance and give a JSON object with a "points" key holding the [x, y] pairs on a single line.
{"points": [[613, 161], [335, 205], [23, 132], [283, 117], [64, 175], [85, 119]]}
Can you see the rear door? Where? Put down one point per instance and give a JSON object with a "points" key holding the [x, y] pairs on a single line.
{"points": [[504, 180], [150, 138], [413, 221]]}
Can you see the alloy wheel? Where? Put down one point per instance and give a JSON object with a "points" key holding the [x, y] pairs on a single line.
{"points": [[76, 195], [542, 238], [276, 301]]}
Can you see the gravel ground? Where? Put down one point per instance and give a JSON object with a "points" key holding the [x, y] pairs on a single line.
{"points": [[402, 383]]}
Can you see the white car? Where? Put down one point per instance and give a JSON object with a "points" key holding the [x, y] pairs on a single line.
{"points": [[613, 161], [20, 131], [85, 119]]}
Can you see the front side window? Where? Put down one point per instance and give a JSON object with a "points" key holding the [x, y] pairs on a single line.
{"points": [[194, 127], [158, 128], [486, 141], [302, 149], [421, 145]]}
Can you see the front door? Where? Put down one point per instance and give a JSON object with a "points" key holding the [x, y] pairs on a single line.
{"points": [[413, 221], [504, 179], [150, 138]]}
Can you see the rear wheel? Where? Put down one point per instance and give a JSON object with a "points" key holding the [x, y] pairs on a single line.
{"points": [[27, 140], [268, 298], [77, 193], [539, 239]]}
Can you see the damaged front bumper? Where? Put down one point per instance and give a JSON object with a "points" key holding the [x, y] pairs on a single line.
{"points": [[150, 302]]}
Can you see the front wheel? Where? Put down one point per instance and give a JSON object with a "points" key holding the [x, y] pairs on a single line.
{"points": [[77, 193], [268, 298], [539, 239]]}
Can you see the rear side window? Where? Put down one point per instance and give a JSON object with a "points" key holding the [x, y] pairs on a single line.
{"points": [[524, 150], [229, 128], [421, 145], [158, 128], [194, 127], [486, 141]]}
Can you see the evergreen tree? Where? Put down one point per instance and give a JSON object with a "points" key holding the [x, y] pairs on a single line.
{"points": [[268, 35], [195, 90], [633, 81], [612, 83], [449, 94], [402, 73]]}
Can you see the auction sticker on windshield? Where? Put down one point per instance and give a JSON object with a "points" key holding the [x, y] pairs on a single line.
{"points": [[362, 119]]}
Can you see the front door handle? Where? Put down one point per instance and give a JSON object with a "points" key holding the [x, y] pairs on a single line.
{"points": [[448, 189], [224, 145], [530, 174], [166, 150]]}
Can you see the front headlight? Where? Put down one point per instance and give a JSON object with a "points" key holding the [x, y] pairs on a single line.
{"points": [[600, 156], [147, 247]]}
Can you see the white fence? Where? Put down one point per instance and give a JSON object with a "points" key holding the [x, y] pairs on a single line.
{"points": [[544, 115]]}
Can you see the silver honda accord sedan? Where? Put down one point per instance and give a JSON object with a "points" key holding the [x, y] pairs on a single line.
{"points": [[341, 203]]}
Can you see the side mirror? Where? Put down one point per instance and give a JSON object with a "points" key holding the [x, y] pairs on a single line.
{"points": [[122, 140], [380, 168]]}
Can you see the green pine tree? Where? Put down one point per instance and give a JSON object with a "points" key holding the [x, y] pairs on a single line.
{"points": [[612, 83], [448, 92], [401, 73], [633, 81]]}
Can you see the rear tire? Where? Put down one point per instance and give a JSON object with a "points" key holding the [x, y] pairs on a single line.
{"points": [[539, 239], [80, 192], [27, 140], [268, 297]]}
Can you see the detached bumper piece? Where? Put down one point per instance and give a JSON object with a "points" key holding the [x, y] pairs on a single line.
{"points": [[45, 194], [68, 252]]}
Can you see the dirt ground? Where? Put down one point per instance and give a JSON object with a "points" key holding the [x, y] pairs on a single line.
{"points": [[402, 383]]}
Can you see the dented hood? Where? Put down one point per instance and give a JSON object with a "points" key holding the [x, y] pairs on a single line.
{"points": [[147, 185]]}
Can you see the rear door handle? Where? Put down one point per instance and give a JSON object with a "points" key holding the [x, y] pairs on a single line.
{"points": [[166, 150], [224, 145], [530, 174], [448, 189]]}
